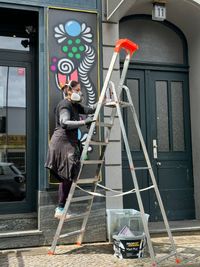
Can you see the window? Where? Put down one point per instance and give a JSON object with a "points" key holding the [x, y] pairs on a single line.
{"points": [[12, 132]]}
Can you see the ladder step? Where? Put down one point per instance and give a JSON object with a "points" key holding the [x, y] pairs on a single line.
{"points": [[78, 199], [87, 162], [124, 104], [72, 233], [88, 180], [142, 168], [112, 104], [104, 124], [98, 143], [77, 216]]}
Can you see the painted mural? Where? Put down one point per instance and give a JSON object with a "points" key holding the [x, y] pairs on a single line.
{"points": [[72, 45]]}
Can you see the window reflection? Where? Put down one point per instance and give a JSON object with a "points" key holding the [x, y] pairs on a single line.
{"points": [[12, 133], [14, 43], [177, 116], [134, 142], [162, 116]]}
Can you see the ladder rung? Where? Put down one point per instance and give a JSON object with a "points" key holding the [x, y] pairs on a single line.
{"points": [[72, 233], [77, 216], [124, 104], [77, 199], [87, 162], [104, 124], [87, 180], [142, 168], [112, 104], [98, 143]]}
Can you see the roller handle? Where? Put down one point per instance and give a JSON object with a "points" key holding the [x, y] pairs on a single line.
{"points": [[126, 44]]}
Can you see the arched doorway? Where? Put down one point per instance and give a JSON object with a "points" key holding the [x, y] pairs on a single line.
{"points": [[158, 81]]}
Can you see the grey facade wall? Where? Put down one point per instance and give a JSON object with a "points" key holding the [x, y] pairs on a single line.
{"points": [[80, 4], [113, 163], [38, 228]]}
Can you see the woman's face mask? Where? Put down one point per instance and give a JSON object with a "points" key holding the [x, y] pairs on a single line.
{"points": [[76, 96]]}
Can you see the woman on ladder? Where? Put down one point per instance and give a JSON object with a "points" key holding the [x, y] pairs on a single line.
{"points": [[63, 157]]}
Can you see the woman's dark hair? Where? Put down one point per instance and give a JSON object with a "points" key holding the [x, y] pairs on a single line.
{"points": [[70, 84]]}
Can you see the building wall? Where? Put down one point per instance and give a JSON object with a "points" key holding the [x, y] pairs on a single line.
{"points": [[38, 228], [113, 162], [83, 4], [42, 221], [177, 12], [191, 31], [194, 56], [47, 199]]}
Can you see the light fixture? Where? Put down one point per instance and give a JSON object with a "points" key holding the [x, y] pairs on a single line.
{"points": [[159, 10]]}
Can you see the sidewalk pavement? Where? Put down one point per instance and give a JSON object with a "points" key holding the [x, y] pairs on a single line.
{"points": [[101, 255]]}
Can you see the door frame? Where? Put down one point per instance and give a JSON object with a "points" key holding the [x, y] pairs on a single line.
{"points": [[26, 59], [29, 204]]}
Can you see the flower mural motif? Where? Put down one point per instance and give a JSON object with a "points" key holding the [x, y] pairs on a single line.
{"points": [[60, 33], [86, 33], [75, 40]]}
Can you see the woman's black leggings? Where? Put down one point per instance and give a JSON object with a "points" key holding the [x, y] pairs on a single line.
{"points": [[63, 191]]}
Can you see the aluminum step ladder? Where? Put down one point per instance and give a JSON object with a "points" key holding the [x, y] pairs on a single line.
{"points": [[114, 102]]}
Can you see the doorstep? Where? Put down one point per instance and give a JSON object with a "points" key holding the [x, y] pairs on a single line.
{"points": [[176, 227], [21, 233]]}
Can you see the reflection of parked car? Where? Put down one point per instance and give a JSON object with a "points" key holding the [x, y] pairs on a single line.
{"points": [[12, 183]]}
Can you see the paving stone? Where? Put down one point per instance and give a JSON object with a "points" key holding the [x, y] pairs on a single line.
{"points": [[101, 255]]}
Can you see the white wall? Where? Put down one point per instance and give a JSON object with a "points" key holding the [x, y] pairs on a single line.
{"points": [[194, 56], [186, 16]]}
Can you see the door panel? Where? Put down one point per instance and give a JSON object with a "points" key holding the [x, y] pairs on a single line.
{"points": [[170, 117], [165, 123], [137, 84]]}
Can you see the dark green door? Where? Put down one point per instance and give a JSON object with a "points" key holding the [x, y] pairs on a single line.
{"points": [[162, 103]]}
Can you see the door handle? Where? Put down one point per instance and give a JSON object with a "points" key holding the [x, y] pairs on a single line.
{"points": [[155, 150], [158, 163]]}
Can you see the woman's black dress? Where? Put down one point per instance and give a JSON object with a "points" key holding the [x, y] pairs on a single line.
{"points": [[64, 150]]}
